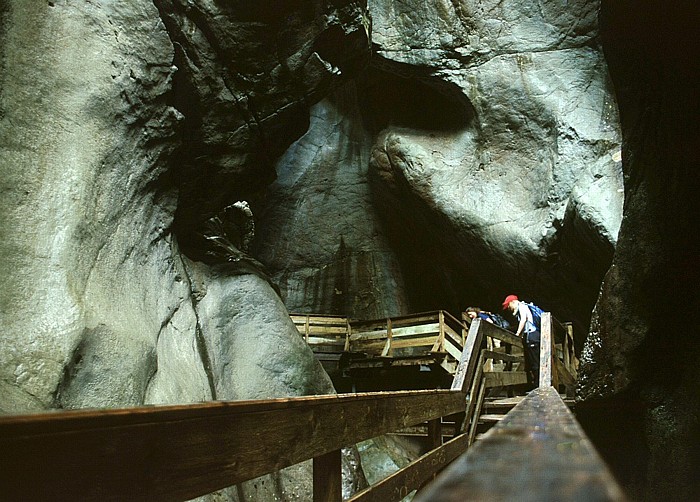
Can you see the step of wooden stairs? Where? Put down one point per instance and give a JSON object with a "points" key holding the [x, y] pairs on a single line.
{"points": [[495, 408]]}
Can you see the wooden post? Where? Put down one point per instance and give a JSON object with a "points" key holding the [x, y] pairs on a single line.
{"points": [[572, 366], [387, 346], [435, 433], [546, 350], [348, 332], [327, 478], [306, 330], [441, 339]]}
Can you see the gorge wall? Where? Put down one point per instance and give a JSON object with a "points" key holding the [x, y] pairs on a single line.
{"points": [[178, 175], [641, 390]]}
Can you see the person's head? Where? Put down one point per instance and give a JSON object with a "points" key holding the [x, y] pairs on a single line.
{"points": [[472, 312], [511, 303]]}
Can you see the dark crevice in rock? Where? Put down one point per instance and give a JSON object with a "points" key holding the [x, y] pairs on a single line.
{"points": [[395, 100], [199, 337]]}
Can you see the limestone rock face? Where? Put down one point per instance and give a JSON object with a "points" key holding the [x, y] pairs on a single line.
{"points": [[521, 192], [98, 102], [247, 77], [640, 390], [85, 129], [493, 146], [320, 235]]}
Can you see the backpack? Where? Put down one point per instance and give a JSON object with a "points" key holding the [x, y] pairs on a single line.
{"points": [[499, 321], [536, 315]]}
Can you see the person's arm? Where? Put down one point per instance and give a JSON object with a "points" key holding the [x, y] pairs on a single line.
{"points": [[523, 320]]}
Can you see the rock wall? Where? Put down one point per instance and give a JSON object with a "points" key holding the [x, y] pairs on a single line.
{"points": [[640, 388], [103, 183], [477, 155]]}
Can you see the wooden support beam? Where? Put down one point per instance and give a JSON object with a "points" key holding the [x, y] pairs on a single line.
{"points": [[435, 433], [470, 356], [387, 347], [537, 452], [411, 477], [328, 481]]}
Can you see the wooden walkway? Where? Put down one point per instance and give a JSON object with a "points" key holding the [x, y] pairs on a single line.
{"points": [[181, 452]]}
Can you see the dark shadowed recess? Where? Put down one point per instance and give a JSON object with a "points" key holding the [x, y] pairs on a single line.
{"points": [[391, 96], [647, 425]]}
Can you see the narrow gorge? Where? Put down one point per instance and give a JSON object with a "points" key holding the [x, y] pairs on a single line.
{"points": [[178, 176]]}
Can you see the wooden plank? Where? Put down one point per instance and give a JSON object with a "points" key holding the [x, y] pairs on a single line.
{"points": [[546, 351], [477, 411], [453, 351], [416, 342], [181, 452], [314, 340], [505, 378], [504, 336], [538, 452], [497, 355], [470, 356], [401, 483], [491, 418], [387, 347], [434, 433], [318, 319], [453, 337], [328, 481], [407, 331], [377, 362]]}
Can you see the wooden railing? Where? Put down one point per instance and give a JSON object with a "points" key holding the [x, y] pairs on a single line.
{"points": [[181, 452], [537, 452], [438, 334]]}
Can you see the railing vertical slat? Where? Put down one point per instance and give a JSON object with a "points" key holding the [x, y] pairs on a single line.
{"points": [[328, 477], [546, 350]]}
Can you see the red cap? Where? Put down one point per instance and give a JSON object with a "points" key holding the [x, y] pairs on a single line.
{"points": [[508, 299]]}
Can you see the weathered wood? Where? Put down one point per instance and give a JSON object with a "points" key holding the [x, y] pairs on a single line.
{"points": [[181, 452], [538, 452], [491, 418], [376, 362], [434, 433], [497, 355], [505, 378], [387, 348], [406, 331], [411, 477], [505, 336], [469, 359], [328, 483], [546, 350], [477, 411]]}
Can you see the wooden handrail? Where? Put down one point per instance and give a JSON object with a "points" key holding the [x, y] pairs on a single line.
{"points": [[181, 452], [537, 452]]}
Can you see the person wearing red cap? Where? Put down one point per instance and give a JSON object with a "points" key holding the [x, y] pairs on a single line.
{"points": [[530, 333]]}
